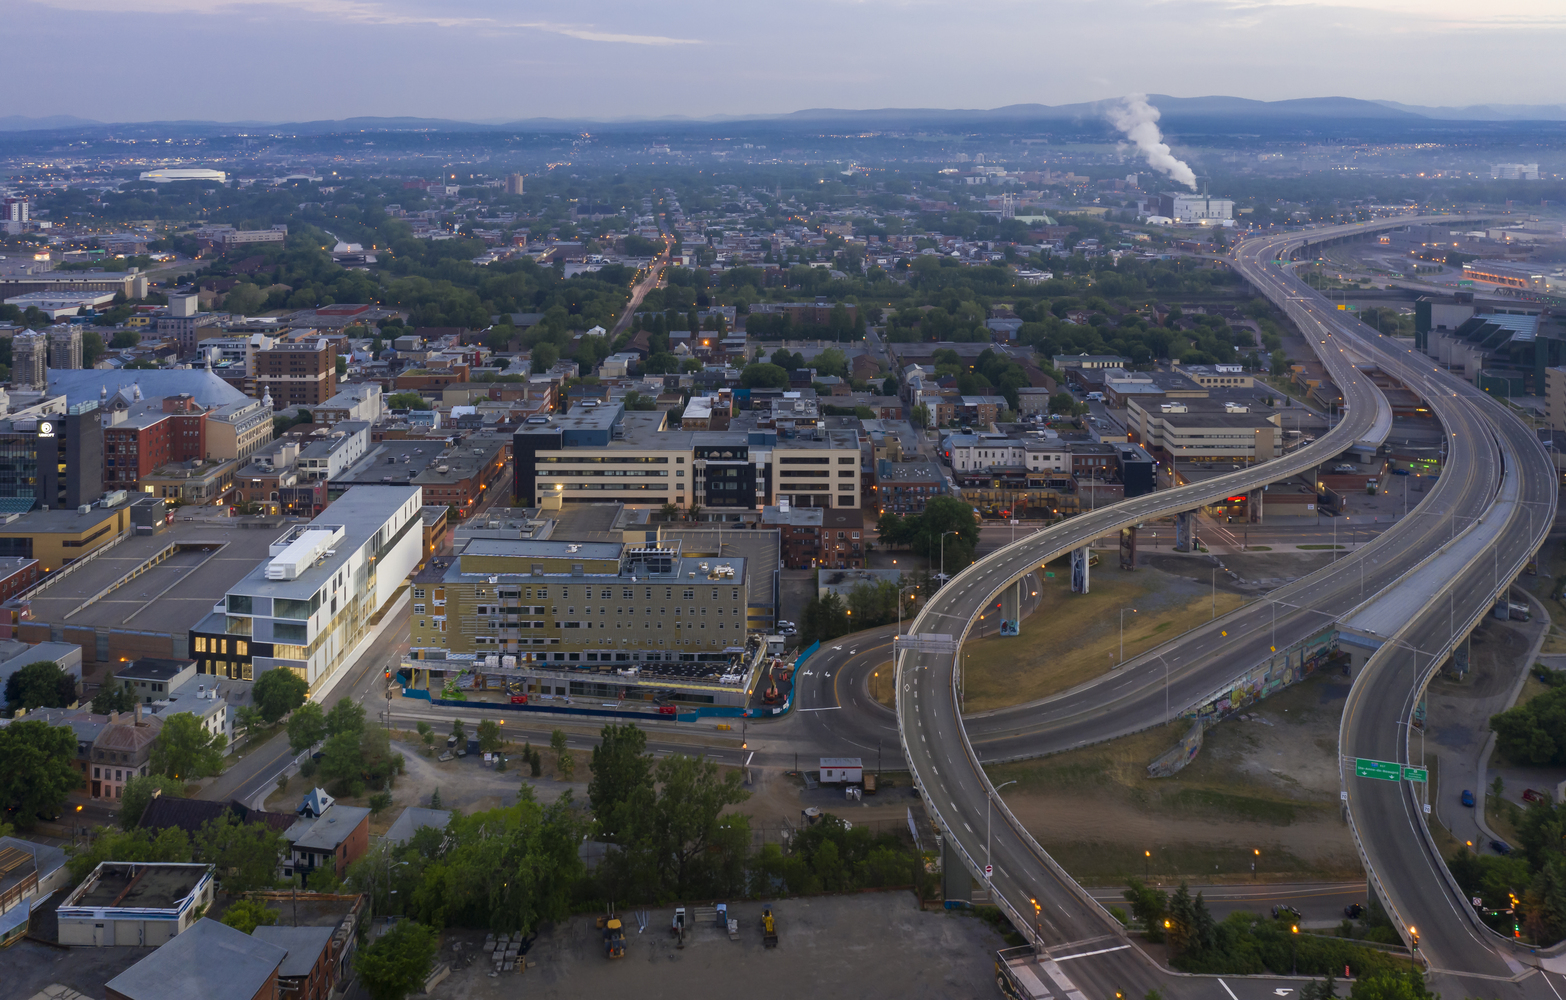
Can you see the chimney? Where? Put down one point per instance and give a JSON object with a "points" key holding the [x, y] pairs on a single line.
{"points": [[114, 718], [157, 792], [136, 720]]}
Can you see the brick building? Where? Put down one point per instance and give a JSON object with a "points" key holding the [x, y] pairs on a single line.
{"points": [[148, 435], [298, 371]]}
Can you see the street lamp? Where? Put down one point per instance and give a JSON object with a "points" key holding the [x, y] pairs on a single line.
{"points": [[1123, 632], [989, 805], [1038, 935], [943, 554]]}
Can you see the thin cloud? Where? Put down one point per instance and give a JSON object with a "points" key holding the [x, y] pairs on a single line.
{"points": [[357, 12]]}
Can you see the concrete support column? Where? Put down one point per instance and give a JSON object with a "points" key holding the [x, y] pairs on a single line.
{"points": [[1011, 608], [1185, 531], [1254, 505], [1460, 657], [1079, 570]]}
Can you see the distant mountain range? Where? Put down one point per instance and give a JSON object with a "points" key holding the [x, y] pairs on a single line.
{"points": [[1206, 112]]}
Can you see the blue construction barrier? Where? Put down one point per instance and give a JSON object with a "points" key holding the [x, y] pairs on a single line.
{"points": [[805, 654]]}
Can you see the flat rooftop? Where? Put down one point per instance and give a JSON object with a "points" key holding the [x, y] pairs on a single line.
{"points": [[542, 549], [142, 886], [361, 513], [170, 597], [57, 522]]}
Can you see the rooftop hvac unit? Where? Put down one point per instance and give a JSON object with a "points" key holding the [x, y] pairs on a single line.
{"points": [[299, 555]]}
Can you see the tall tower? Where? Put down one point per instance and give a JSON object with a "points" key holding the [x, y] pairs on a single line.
{"points": [[65, 347], [514, 184], [30, 361]]}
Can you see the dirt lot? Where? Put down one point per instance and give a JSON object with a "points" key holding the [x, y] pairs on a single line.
{"points": [[871, 945], [1267, 781], [1072, 638]]}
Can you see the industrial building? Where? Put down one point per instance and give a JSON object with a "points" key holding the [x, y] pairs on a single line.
{"points": [[134, 903]]}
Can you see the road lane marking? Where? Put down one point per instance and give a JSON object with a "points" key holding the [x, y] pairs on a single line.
{"points": [[829, 708], [1227, 990], [1085, 954]]}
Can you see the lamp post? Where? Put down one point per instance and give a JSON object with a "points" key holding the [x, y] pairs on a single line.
{"points": [[1038, 935], [943, 554], [989, 807], [1123, 632]]}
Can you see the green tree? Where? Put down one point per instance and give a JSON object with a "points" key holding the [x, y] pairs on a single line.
{"points": [[278, 692], [141, 790], [40, 684], [565, 764], [406, 401], [306, 727], [397, 963], [489, 736], [427, 734], [1148, 906], [184, 748], [1404, 984], [245, 855], [763, 376], [831, 362], [245, 915], [247, 719], [621, 778], [125, 339], [545, 356], [347, 716], [39, 769], [920, 416], [112, 696], [244, 299], [680, 836], [140, 844]]}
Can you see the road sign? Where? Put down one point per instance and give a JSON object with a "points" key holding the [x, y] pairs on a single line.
{"points": [[989, 870], [1382, 770], [1465, 283], [1416, 774]]}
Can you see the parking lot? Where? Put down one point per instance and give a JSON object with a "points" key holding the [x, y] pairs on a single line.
{"points": [[872, 944]]}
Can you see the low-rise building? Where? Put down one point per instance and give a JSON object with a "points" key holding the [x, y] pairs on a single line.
{"points": [[1201, 431], [326, 836], [142, 904], [358, 401], [905, 487], [209, 960], [29, 872]]}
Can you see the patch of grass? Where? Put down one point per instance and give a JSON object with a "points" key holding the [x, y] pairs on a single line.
{"points": [[883, 685], [1099, 863], [1072, 638], [1257, 548], [1247, 807]]}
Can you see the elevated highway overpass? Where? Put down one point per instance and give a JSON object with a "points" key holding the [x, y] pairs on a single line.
{"points": [[936, 740]]}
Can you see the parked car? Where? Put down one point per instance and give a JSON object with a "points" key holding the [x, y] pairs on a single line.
{"points": [[1468, 797], [1353, 911], [1285, 910], [1500, 847], [1534, 795]]}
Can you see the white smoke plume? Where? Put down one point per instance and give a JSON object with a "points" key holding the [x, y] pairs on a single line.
{"points": [[1139, 121]]}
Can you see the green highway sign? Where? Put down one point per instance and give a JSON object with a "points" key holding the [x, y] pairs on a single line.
{"points": [[1416, 774], [1383, 770]]}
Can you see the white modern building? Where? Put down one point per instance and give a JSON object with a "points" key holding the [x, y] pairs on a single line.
{"points": [[169, 175], [1199, 208], [306, 607]]}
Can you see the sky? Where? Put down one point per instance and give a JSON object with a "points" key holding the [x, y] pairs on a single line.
{"points": [[501, 60]]}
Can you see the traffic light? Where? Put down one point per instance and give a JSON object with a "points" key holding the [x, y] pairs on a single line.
{"points": [[1413, 936]]}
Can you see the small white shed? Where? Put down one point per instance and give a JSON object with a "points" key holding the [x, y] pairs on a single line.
{"points": [[841, 771]]}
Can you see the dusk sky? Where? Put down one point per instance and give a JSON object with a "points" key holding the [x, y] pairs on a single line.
{"points": [[294, 60]]}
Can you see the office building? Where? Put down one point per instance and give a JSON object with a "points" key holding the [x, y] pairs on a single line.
{"points": [[359, 401], [30, 361], [1205, 431], [52, 455], [13, 208], [306, 607], [1515, 172], [298, 371], [547, 601], [514, 183]]}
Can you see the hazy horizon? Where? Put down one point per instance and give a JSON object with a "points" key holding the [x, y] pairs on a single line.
{"points": [[484, 60]]}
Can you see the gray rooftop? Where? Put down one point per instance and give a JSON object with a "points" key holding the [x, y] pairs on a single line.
{"points": [[327, 830], [303, 944], [170, 597], [82, 384], [361, 512], [210, 961], [542, 549], [412, 819]]}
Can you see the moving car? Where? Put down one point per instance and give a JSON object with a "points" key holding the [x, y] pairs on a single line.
{"points": [[1285, 910]]}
